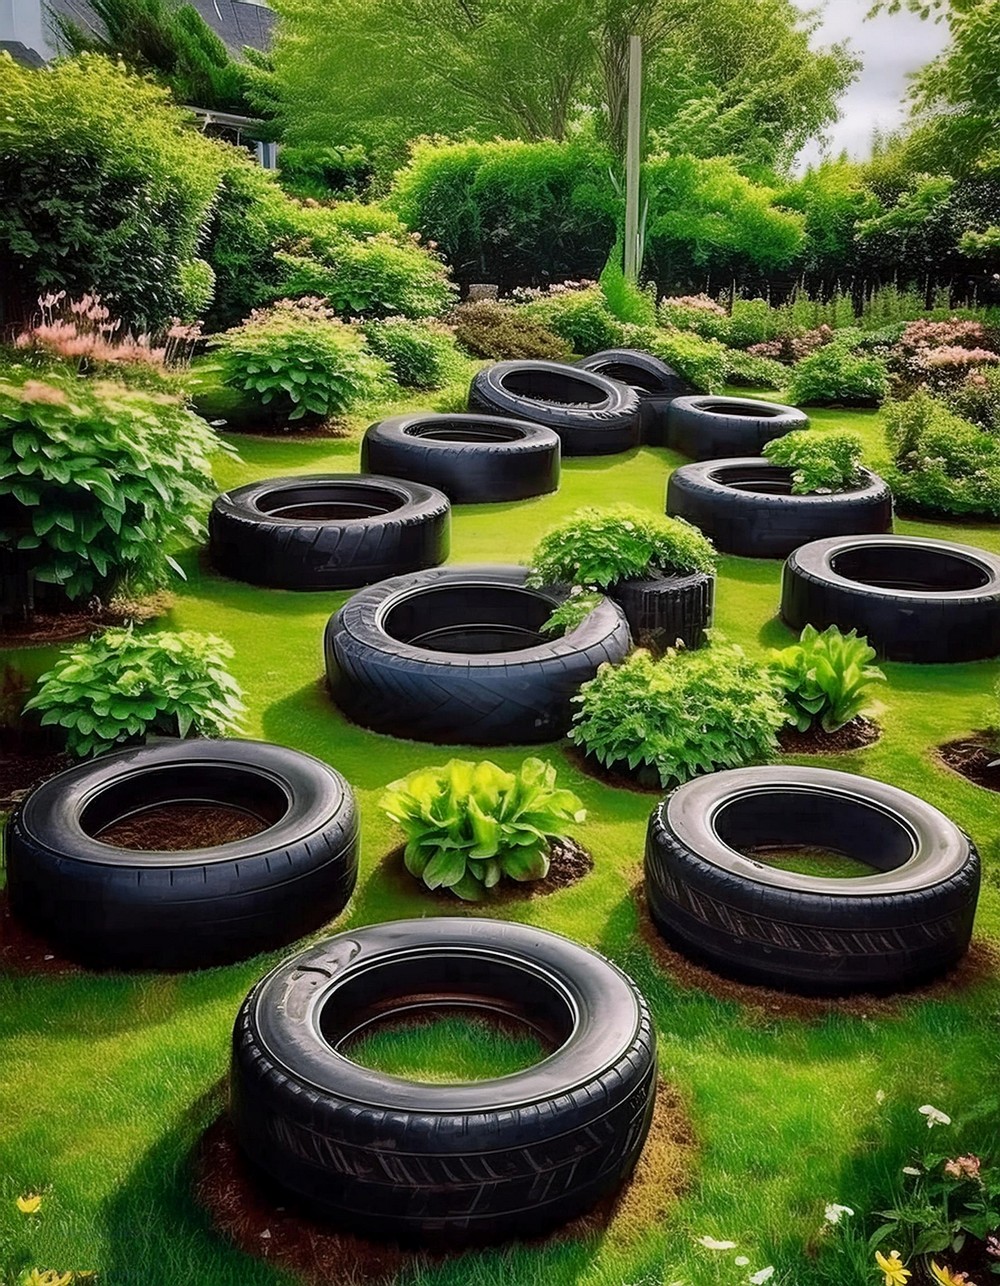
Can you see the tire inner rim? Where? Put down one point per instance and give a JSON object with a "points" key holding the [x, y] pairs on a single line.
{"points": [[558, 387], [456, 431], [742, 410], [799, 818], [759, 479], [329, 502], [912, 567], [642, 381], [238, 789], [470, 619]]}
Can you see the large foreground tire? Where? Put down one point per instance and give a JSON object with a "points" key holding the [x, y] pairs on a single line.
{"points": [[895, 929], [656, 383], [328, 531], [456, 655], [916, 600], [592, 414], [120, 908], [473, 459], [416, 1162], [746, 507], [717, 428]]}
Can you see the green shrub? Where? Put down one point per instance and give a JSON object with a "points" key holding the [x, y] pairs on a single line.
{"points": [[977, 399], [702, 362], [698, 313], [322, 172], [99, 482], [600, 547], [834, 375], [753, 321], [580, 317], [827, 678], [689, 713], [122, 687], [498, 331], [941, 463], [749, 371], [572, 612], [420, 354], [624, 298], [468, 825], [299, 360], [195, 289], [820, 462]]}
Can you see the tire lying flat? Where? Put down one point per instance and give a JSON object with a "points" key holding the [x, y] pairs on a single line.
{"points": [[901, 927], [918, 600], [473, 459], [482, 1161], [328, 531], [746, 507], [656, 383], [455, 655], [718, 428], [120, 908], [592, 414]]}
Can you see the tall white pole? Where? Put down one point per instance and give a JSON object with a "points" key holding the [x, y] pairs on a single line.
{"points": [[633, 157]]}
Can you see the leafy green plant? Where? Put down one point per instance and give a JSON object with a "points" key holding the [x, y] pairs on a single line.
{"points": [[421, 354], [98, 483], [572, 612], [299, 359], [689, 713], [490, 329], [121, 687], [827, 677], [835, 375], [941, 463], [702, 362], [468, 825], [820, 462], [580, 317], [977, 399], [627, 301], [600, 547], [752, 371]]}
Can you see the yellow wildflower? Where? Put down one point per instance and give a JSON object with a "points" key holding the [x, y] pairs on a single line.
{"points": [[895, 1273], [946, 1277], [29, 1204], [47, 1278]]}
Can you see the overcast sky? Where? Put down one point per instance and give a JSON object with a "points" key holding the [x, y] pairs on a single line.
{"points": [[889, 47]]}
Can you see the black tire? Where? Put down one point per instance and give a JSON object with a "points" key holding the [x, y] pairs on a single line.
{"points": [[662, 613], [120, 908], [824, 936], [490, 679], [746, 507], [328, 531], [417, 1162], [656, 383], [719, 428], [473, 459], [592, 414], [917, 600]]}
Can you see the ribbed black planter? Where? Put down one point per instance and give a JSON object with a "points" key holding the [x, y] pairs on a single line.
{"points": [[666, 610]]}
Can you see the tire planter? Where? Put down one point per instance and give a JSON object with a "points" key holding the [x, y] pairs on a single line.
{"points": [[122, 908], [656, 383], [904, 925], [668, 610], [328, 531], [592, 414], [746, 506], [473, 459], [416, 1162], [718, 428], [455, 655], [915, 599]]}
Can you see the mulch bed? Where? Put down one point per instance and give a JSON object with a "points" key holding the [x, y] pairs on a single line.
{"points": [[569, 862], [20, 774], [23, 952], [65, 627], [245, 1210], [173, 828], [643, 781], [977, 758], [855, 735]]}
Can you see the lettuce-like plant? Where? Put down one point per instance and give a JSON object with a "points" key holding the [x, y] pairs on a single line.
{"points": [[468, 825], [827, 678], [821, 463]]}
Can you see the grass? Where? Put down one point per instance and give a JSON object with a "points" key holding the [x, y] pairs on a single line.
{"points": [[106, 1082], [447, 1049]]}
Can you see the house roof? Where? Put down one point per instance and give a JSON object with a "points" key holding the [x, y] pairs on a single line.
{"points": [[238, 22], [22, 54]]}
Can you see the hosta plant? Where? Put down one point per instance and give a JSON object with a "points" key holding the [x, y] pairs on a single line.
{"points": [[121, 686], [469, 825], [827, 677], [820, 462]]}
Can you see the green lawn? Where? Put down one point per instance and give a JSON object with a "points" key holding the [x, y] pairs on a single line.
{"points": [[107, 1082]]}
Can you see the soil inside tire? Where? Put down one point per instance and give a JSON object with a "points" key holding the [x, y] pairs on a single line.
{"points": [[977, 758], [173, 828]]}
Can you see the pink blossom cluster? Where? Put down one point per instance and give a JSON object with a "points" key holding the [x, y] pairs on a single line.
{"points": [[525, 294], [792, 348], [699, 303], [83, 331], [955, 333]]}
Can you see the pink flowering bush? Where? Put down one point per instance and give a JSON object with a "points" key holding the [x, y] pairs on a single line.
{"points": [[790, 349]]}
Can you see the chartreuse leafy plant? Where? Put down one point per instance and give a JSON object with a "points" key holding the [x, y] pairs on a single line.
{"points": [[572, 612], [820, 462], [421, 354], [827, 678], [121, 687], [98, 481], [598, 548], [468, 825], [689, 713]]}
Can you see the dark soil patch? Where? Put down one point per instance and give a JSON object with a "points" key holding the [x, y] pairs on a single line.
{"points": [[20, 774], [263, 1222], [981, 964], [976, 758], [22, 951], [643, 781], [855, 735], [64, 627], [569, 862], [174, 828]]}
